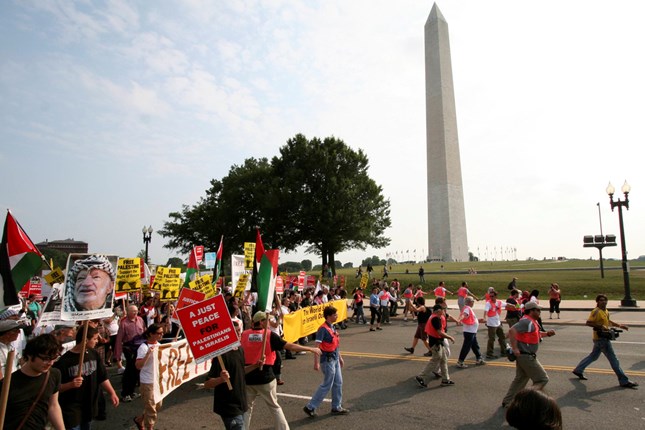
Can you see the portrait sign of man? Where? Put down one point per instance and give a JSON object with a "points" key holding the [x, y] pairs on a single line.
{"points": [[89, 287]]}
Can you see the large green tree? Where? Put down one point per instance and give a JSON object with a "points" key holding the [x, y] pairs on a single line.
{"points": [[315, 193], [334, 205]]}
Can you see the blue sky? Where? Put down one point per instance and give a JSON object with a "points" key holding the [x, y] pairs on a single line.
{"points": [[116, 113]]}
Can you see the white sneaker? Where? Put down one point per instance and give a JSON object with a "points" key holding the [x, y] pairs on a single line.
{"points": [[461, 365]]}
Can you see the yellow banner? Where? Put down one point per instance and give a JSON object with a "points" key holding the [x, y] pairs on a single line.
{"points": [[306, 321], [168, 281], [128, 275], [203, 285], [249, 255]]}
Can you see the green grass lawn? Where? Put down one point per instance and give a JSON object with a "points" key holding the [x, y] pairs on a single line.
{"points": [[576, 278]]}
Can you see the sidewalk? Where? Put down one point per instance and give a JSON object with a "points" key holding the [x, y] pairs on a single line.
{"points": [[575, 312]]}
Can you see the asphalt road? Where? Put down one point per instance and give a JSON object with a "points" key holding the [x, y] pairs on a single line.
{"points": [[380, 390]]}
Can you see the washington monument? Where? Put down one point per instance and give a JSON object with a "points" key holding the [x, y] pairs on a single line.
{"points": [[447, 240]]}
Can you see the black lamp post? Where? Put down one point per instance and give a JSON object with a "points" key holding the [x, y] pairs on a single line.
{"points": [[628, 300], [599, 242], [147, 237]]}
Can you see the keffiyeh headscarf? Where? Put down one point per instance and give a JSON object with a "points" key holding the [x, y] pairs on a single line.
{"points": [[92, 262]]}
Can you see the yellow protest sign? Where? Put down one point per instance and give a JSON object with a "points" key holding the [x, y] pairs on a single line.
{"points": [[203, 285], [128, 275], [56, 276], [364, 280], [242, 282], [249, 255], [167, 281]]}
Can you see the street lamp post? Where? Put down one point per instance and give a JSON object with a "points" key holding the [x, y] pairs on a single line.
{"points": [[147, 237], [628, 300]]}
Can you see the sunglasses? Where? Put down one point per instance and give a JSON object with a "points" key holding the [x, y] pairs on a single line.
{"points": [[49, 359]]}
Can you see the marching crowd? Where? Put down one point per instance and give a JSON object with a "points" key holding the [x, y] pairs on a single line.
{"points": [[49, 385]]}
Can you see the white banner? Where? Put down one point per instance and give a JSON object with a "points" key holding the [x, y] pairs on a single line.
{"points": [[237, 269], [174, 365]]}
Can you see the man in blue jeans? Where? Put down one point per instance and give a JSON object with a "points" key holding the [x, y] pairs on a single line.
{"points": [[330, 362], [600, 322]]}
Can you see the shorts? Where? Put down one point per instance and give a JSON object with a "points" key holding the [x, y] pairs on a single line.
{"points": [[421, 332]]}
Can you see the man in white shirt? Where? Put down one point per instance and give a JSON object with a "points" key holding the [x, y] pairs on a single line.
{"points": [[492, 311]]}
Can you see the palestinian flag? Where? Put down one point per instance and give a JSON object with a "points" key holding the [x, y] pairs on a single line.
{"points": [[218, 259], [19, 261], [259, 249], [259, 252], [267, 274], [192, 268]]}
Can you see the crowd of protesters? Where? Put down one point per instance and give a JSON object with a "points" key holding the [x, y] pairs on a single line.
{"points": [[126, 340]]}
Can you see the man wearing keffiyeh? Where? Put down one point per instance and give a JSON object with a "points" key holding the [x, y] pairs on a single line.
{"points": [[89, 283]]}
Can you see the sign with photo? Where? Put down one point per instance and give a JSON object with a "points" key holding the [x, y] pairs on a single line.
{"points": [[88, 291]]}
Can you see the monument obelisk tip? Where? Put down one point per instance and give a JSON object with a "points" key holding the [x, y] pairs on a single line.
{"points": [[435, 14]]}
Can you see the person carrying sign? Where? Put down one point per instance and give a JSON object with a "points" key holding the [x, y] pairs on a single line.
{"points": [[330, 363], [262, 382], [230, 404], [80, 391]]}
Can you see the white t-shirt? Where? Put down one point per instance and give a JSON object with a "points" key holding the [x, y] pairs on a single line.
{"points": [[146, 375], [493, 321], [470, 328]]}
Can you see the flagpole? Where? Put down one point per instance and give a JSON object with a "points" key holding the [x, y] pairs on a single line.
{"points": [[6, 383], [83, 343]]}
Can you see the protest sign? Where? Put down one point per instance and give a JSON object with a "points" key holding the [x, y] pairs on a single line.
{"points": [[209, 260], [203, 284], [249, 255], [240, 275], [35, 287], [174, 365], [56, 276], [199, 254], [51, 312], [301, 280], [167, 281], [208, 328], [88, 291], [279, 285], [306, 321], [128, 275], [187, 297]]}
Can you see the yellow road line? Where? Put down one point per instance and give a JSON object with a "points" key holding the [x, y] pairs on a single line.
{"points": [[488, 363]]}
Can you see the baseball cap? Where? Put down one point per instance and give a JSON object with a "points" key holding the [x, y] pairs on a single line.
{"points": [[259, 316], [531, 305], [8, 325]]}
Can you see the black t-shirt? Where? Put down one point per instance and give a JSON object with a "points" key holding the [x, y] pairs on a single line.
{"points": [[423, 317], [80, 405], [513, 314], [230, 403], [23, 392], [436, 323], [264, 376]]}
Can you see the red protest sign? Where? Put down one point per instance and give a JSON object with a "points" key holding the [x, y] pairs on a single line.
{"points": [[208, 328], [279, 285], [187, 297], [199, 253]]}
